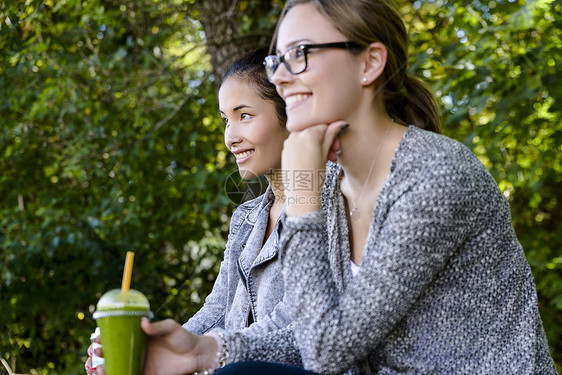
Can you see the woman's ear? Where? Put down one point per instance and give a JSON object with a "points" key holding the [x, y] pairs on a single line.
{"points": [[375, 62]]}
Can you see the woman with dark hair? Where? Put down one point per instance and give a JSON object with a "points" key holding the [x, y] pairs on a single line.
{"points": [[406, 261], [249, 287], [248, 292]]}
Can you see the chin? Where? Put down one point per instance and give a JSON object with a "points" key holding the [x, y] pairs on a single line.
{"points": [[296, 126], [247, 174]]}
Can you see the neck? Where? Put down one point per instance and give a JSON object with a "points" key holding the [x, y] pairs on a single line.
{"points": [[274, 177], [362, 145]]}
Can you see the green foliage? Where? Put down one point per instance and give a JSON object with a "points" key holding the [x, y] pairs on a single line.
{"points": [[110, 142]]}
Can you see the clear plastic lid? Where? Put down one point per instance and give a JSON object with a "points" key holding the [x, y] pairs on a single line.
{"points": [[115, 302]]}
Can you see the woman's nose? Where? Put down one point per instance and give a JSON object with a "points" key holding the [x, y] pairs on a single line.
{"points": [[231, 137], [281, 75]]}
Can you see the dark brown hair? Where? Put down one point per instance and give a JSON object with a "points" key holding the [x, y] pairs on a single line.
{"points": [[407, 99], [250, 68]]}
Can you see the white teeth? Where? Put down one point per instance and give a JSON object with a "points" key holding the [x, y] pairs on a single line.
{"points": [[242, 155], [295, 99]]}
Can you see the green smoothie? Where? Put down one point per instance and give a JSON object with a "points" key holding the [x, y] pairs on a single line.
{"points": [[118, 315]]}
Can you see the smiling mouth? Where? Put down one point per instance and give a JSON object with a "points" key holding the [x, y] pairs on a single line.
{"points": [[293, 99], [243, 154]]}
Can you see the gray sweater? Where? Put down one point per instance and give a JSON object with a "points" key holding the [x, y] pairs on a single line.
{"points": [[443, 288]]}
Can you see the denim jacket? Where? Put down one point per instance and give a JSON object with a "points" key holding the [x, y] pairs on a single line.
{"points": [[249, 286]]}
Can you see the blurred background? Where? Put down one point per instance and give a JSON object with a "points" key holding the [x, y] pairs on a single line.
{"points": [[111, 141]]}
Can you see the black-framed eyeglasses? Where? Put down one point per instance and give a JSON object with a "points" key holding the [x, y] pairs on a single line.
{"points": [[295, 57]]}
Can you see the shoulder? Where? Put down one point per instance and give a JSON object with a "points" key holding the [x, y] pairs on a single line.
{"points": [[432, 146], [441, 169], [426, 155]]}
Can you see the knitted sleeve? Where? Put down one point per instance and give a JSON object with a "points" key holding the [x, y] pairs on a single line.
{"points": [[276, 346], [420, 228]]}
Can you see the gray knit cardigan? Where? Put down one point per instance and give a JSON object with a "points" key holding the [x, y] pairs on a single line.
{"points": [[443, 287]]}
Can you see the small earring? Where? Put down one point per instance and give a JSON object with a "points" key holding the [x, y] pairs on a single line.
{"points": [[364, 79]]}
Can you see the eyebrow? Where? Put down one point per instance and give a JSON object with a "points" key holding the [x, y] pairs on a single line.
{"points": [[241, 106], [237, 108], [294, 43]]}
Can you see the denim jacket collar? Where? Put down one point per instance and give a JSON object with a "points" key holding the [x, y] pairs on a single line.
{"points": [[255, 222]]}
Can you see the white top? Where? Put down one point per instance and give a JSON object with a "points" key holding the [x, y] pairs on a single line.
{"points": [[354, 268]]}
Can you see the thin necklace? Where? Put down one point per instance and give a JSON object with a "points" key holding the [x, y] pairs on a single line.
{"points": [[354, 213]]}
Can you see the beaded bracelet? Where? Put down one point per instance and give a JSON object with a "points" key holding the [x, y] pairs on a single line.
{"points": [[222, 353]]}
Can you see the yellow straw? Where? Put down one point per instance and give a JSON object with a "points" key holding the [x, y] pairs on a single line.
{"points": [[127, 271]]}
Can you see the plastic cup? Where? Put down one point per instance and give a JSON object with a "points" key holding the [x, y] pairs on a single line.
{"points": [[118, 315]]}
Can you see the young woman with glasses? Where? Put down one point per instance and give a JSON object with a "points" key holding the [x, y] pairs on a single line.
{"points": [[406, 262]]}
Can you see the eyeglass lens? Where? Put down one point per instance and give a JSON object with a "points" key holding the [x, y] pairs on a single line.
{"points": [[294, 59]]}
